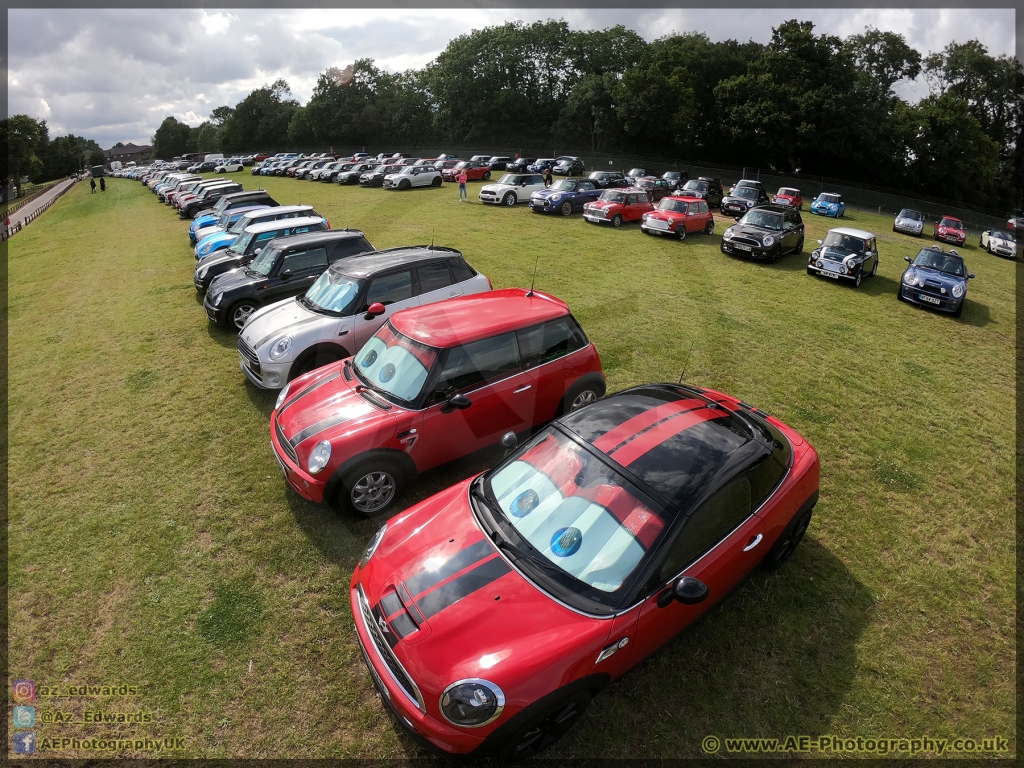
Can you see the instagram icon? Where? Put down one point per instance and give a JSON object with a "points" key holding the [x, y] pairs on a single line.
{"points": [[24, 691]]}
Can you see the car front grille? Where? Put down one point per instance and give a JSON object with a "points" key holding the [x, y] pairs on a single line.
{"points": [[248, 352], [657, 224], [285, 445], [394, 666], [746, 241], [600, 213]]}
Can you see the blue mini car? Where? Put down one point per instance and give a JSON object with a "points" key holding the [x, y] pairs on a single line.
{"points": [[220, 223], [565, 196], [541, 165], [220, 240], [829, 204], [936, 279]]}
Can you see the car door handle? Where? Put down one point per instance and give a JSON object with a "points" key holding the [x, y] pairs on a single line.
{"points": [[342, 333], [454, 295], [754, 543], [521, 389]]}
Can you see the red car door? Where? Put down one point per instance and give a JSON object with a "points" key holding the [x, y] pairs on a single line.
{"points": [[735, 536], [546, 353]]}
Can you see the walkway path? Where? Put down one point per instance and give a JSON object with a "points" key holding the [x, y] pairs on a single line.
{"points": [[19, 216]]}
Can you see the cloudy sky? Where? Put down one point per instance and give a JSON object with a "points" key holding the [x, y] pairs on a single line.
{"points": [[114, 75]]}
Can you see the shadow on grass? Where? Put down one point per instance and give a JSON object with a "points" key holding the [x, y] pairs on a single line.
{"points": [[221, 336], [262, 399]]}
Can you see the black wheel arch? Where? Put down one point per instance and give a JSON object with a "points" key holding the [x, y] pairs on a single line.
{"points": [[586, 379], [404, 462], [322, 346]]}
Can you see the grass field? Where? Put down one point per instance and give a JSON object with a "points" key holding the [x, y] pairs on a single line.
{"points": [[154, 542]]}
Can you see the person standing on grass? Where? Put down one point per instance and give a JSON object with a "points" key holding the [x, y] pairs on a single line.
{"points": [[547, 177], [103, 185], [462, 178], [92, 184]]}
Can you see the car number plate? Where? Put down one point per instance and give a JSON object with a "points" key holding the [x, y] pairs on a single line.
{"points": [[739, 247], [829, 273], [929, 299]]}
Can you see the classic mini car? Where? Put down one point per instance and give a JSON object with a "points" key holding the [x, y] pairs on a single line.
{"points": [[829, 204], [909, 222], [845, 254], [220, 240], [742, 199], [520, 164], [747, 183], [233, 165], [703, 187], [789, 196], [512, 188], [950, 229], [413, 176], [431, 385], [248, 245], [675, 179], [351, 176], [610, 179], [568, 165], [474, 170], [499, 162], [615, 206], [766, 233], [375, 177], [656, 188], [679, 215], [491, 613], [565, 196], [284, 268], [339, 313], [999, 243], [936, 279]]}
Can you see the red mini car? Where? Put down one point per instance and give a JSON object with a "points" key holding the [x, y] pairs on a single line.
{"points": [[678, 215], [492, 612], [618, 205], [475, 171], [950, 229], [789, 196], [432, 385]]}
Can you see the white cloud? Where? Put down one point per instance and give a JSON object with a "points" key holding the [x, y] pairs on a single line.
{"points": [[217, 22]]}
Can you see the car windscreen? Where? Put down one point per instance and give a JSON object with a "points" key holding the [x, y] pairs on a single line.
{"points": [[510, 179], [576, 512], [828, 198], [789, 192], [907, 213], [696, 186], [762, 219], [673, 206], [998, 234], [613, 196], [948, 222], [844, 242], [333, 292], [241, 242], [563, 186], [394, 364], [748, 193], [943, 262]]}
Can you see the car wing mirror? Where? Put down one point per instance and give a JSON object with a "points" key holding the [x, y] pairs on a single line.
{"points": [[256, 252], [819, 242], [286, 275], [906, 259], [457, 402], [374, 310], [509, 442], [970, 276], [687, 590]]}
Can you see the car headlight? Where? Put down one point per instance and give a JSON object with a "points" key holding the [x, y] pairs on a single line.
{"points": [[371, 547], [472, 702], [281, 347], [842, 270], [283, 396], [215, 298], [555, 198], [202, 272], [727, 235], [908, 277], [819, 264], [768, 241], [319, 457], [958, 291]]}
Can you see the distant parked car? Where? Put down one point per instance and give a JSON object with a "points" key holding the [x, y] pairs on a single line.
{"points": [[756, 183], [542, 164], [616, 206], [610, 179], [1015, 225], [565, 196], [829, 204], [765, 233], [909, 222], [520, 165], [499, 162], [475, 170], [351, 175], [675, 179], [845, 254], [706, 188], [950, 229], [375, 176], [568, 165], [999, 243], [742, 199], [234, 165], [656, 188], [679, 216], [936, 279], [638, 173], [512, 188], [789, 196], [413, 176], [479, 158]]}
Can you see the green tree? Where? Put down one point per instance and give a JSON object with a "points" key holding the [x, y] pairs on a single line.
{"points": [[884, 57], [172, 139], [260, 120], [97, 157], [24, 137], [220, 115], [207, 137]]}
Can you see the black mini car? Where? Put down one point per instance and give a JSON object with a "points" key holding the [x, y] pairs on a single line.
{"points": [[609, 179], [285, 268], [675, 179], [519, 165], [207, 199], [705, 188], [375, 177], [499, 163], [765, 233], [742, 199]]}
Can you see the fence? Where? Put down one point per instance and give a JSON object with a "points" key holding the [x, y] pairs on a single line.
{"points": [[29, 194], [8, 232]]}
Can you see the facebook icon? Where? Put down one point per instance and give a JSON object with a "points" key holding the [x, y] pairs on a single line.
{"points": [[25, 742]]}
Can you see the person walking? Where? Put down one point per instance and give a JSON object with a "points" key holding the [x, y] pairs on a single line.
{"points": [[103, 184], [547, 177], [462, 178], [92, 184]]}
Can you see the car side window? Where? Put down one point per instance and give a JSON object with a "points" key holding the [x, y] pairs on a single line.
{"points": [[586, 186], [433, 277], [264, 236], [349, 247], [387, 289], [711, 523], [300, 261], [461, 271], [702, 207], [473, 365], [543, 343]]}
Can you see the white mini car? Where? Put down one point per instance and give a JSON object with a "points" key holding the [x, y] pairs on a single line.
{"points": [[234, 165], [999, 242], [413, 176], [512, 188], [345, 307], [909, 222]]}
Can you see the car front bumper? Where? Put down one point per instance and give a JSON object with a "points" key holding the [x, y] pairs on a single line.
{"points": [[307, 486], [952, 239], [907, 229], [831, 270], [217, 315], [734, 208], [915, 295], [655, 229], [490, 197], [758, 252]]}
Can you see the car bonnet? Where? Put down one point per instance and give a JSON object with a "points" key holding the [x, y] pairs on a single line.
{"points": [[275, 320]]}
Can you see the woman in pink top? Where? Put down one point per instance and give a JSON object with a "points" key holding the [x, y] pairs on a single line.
{"points": [[462, 179]]}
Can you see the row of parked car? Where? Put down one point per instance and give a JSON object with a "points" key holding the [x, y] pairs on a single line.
{"points": [[491, 613]]}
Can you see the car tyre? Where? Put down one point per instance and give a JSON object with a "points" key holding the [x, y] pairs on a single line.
{"points": [[617, 220], [810, 272], [566, 208], [799, 245], [371, 488], [874, 268], [579, 396], [710, 228], [509, 199], [545, 729], [487, 175], [436, 182], [788, 541], [240, 312], [859, 278], [404, 184]]}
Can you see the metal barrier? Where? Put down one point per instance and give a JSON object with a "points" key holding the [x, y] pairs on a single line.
{"points": [[9, 232]]}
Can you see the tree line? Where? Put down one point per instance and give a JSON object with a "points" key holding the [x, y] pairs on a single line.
{"points": [[32, 153]]}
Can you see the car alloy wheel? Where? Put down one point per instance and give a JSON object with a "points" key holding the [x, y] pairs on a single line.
{"points": [[710, 228], [787, 543], [487, 175], [586, 397], [617, 220], [566, 208], [681, 231], [404, 184], [373, 491], [436, 182], [240, 313], [509, 199], [874, 268]]}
